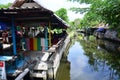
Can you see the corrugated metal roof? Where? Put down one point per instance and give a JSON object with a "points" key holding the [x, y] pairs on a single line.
{"points": [[18, 3], [31, 10]]}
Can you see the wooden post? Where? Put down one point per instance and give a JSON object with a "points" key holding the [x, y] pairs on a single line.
{"points": [[50, 35], [46, 38], [13, 37]]}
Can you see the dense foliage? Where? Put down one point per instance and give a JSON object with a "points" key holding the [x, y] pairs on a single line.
{"points": [[62, 13], [74, 25], [106, 11], [5, 6]]}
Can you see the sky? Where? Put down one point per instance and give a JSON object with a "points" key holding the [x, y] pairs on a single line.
{"points": [[55, 5]]}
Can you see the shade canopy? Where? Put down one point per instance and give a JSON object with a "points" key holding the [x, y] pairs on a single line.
{"points": [[31, 13]]}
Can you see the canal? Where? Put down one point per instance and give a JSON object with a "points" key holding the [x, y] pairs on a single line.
{"points": [[89, 58]]}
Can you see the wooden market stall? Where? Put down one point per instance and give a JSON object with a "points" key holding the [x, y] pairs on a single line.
{"points": [[28, 27], [30, 18]]}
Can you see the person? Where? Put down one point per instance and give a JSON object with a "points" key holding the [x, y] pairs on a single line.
{"points": [[5, 36], [64, 33], [1, 45]]}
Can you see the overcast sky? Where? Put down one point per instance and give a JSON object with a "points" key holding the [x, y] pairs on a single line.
{"points": [[56, 5]]}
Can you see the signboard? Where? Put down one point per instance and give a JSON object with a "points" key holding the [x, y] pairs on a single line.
{"points": [[2, 71]]}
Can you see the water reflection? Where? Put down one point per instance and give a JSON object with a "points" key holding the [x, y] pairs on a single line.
{"points": [[109, 46], [93, 59], [64, 69]]}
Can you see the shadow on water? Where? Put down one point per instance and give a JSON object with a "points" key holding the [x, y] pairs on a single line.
{"points": [[92, 59]]}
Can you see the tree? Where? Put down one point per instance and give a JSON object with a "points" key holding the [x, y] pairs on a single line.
{"points": [[91, 18], [84, 1], [5, 6], [74, 25], [77, 23], [106, 11], [110, 12], [62, 13]]}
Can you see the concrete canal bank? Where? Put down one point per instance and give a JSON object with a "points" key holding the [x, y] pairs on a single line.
{"points": [[48, 66], [97, 61]]}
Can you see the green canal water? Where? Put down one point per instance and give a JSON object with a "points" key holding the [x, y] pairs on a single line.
{"points": [[90, 59]]}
